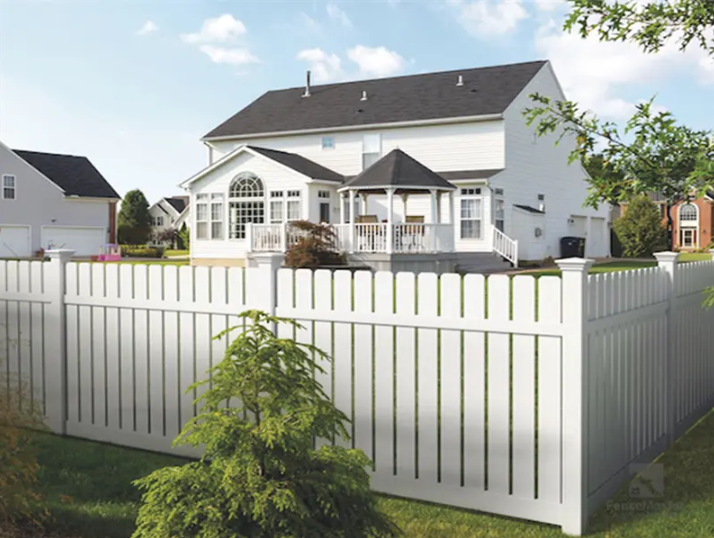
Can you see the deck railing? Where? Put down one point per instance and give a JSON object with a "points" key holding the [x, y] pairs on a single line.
{"points": [[505, 246]]}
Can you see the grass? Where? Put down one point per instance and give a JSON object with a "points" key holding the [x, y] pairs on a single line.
{"points": [[169, 252], [151, 261], [89, 494]]}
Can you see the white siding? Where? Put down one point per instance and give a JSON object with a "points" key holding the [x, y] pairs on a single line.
{"points": [[462, 146], [537, 166], [39, 202], [274, 177]]}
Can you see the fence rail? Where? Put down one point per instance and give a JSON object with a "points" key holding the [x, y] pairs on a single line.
{"points": [[524, 397]]}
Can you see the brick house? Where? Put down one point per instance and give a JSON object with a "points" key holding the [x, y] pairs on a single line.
{"points": [[693, 222]]}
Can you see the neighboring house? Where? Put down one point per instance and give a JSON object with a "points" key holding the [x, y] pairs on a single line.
{"points": [[49, 200], [448, 152], [692, 222], [167, 213]]}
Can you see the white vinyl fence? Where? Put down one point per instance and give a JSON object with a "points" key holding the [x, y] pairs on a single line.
{"points": [[517, 396]]}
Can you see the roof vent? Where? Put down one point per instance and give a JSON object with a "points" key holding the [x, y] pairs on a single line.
{"points": [[307, 85], [460, 82], [364, 96]]}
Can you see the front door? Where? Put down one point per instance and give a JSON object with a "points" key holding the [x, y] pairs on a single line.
{"points": [[688, 238]]}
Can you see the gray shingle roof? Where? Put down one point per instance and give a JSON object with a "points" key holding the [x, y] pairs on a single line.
{"points": [[75, 175], [485, 90], [397, 169], [177, 202], [300, 164]]}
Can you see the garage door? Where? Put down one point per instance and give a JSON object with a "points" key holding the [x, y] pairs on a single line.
{"points": [[15, 241], [598, 229], [578, 226], [84, 241]]}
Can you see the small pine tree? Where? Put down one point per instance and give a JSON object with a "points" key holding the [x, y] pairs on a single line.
{"points": [[640, 229], [261, 477], [134, 221], [184, 238]]}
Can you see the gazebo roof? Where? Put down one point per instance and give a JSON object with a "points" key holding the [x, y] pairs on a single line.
{"points": [[399, 171]]}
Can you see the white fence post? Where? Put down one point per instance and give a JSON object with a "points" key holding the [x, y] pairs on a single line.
{"points": [[262, 280], [56, 334], [575, 458], [669, 263]]}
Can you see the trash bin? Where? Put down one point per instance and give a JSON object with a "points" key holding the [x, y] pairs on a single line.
{"points": [[572, 247]]}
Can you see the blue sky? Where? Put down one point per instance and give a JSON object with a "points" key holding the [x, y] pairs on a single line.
{"points": [[133, 85]]}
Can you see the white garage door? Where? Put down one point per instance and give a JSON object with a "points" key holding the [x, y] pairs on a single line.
{"points": [[579, 226], [84, 241], [597, 247], [15, 241]]}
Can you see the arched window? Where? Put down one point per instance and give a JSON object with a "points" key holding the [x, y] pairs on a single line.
{"points": [[245, 203], [688, 226], [246, 185], [688, 215]]}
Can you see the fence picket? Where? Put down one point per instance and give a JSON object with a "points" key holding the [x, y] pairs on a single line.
{"points": [[384, 377], [474, 386], [406, 379], [323, 335], [427, 383], [343, 352], [524, 391], [499, 389]]}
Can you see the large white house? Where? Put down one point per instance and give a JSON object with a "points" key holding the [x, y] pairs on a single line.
{"points": [[168, 213], [438, 166], [49, 200]]}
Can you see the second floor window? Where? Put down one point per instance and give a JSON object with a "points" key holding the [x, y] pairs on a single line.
{"points": [[371, 149], [158, 221], [8, 187], [328, 142]]}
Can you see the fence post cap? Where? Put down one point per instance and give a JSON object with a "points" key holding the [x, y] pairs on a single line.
{"points": [[575, 264], [667, 257], [61, 254]]}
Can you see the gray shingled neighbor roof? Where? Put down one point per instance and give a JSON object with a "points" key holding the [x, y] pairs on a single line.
{"points": [[399, 170], [74, 175], [177, 202], [300, 164], [430, 96]]}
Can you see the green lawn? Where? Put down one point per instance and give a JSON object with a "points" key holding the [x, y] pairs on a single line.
{"points": [[169, 252], [89, 493], [625, 265], [151, 261]]}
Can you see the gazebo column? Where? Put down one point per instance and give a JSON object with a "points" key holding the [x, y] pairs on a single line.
{"points": [[432, 236], [363, 199], [452, 218], [439, 216], [405, 197], [390, 221], [352, 220], [342, 208]]}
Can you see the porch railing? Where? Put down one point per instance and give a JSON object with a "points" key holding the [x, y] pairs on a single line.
{"points": [[505, 246], [407, 238]]}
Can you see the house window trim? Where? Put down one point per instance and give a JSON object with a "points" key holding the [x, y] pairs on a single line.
{"points": [[202, 200], [261, 198], [377, 153], [13, 188], [217, 199], [689, 223], [328, 146], [477, 195]]}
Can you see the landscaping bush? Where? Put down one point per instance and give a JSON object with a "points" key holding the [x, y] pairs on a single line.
{"points": [[260, 476], [20, 417], [184, 242], [315, 246], [138, 251], [640, 229]]}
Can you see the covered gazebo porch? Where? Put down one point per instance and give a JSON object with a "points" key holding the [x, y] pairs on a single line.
{"points": [[395, 178]]}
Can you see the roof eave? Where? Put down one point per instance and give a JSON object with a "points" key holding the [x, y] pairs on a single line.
{"points": [[395, 187], [392, 125]]}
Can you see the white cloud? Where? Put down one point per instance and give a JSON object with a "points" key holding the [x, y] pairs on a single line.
{"points": [[324, 67], [376, 61], [149, 27], [222, 29], [337, 14], [233, 56], [488, 18], [594, 73]]}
